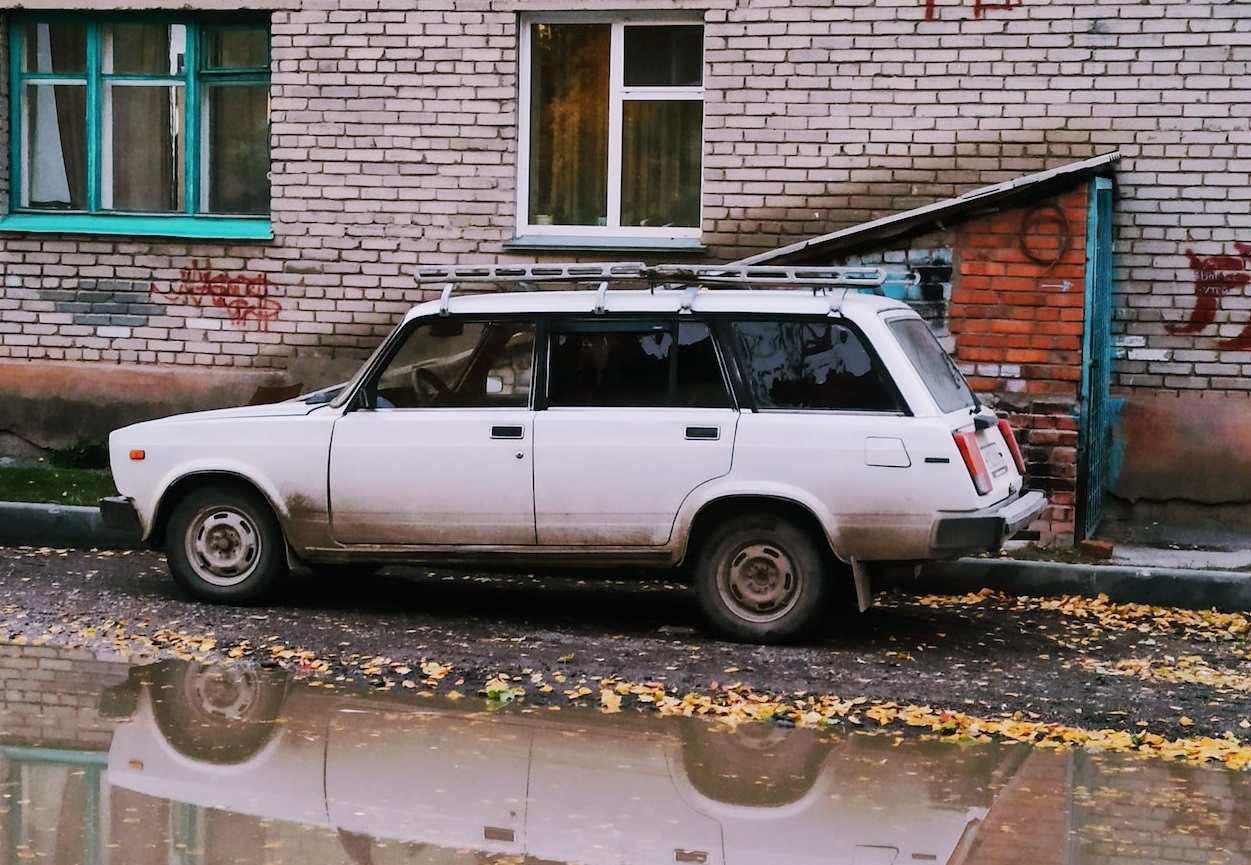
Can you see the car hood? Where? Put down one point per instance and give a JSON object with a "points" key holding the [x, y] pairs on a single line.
{"points": [[288, 408]]}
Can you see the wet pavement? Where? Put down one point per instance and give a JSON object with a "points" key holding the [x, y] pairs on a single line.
{"points": [[179, 762]]}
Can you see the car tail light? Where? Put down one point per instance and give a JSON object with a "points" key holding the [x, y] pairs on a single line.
{"points": [[1010, 438], [966, 443]]}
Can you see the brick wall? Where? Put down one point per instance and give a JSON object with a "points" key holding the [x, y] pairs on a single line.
{"points": [[51, 697], [394, 141], [1017, 316]]}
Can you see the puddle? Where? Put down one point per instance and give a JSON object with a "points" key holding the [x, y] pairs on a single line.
{"points": [[182, 763]]}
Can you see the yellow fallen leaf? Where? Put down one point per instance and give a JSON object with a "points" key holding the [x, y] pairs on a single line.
{"points": [[610, 701]]}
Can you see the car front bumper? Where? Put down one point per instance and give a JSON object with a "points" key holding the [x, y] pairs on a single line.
{"points": [[118, 512]]}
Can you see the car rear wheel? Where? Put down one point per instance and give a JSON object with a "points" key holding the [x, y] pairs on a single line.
{"points": [[225, 545], [760, 579]]}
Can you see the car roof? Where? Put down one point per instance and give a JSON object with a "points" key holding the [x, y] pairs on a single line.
{"points": [[790, 301]]}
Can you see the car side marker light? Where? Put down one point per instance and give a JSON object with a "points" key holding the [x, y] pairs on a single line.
{"points": [[138, 454]]}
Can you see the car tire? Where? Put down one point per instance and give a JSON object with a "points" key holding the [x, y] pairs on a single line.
{"points": [[761, 579], [224, 545], [759, 765]]}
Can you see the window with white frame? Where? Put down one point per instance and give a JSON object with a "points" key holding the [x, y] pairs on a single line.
{"points": [[140, 116], [612, 128]]}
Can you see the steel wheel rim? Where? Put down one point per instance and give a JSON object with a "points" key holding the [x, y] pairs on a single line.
{"points": [[760, 582], [220, 692], [224, 546]]}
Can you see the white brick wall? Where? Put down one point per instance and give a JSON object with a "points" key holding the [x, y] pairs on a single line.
{"points": [[394, 141]]}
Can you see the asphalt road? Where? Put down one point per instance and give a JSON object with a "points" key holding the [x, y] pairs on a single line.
{"points": [[1081, 664]]}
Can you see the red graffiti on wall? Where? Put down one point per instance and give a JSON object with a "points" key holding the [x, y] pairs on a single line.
{"points": [[980, 7], [1217, 275], [245, 297]]}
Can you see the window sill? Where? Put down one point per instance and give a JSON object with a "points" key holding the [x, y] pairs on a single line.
{"points": [[198, 227], [574, 243]]}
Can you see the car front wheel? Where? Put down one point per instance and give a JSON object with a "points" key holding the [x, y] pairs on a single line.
{"points": [[224, 545], [760, 579]]}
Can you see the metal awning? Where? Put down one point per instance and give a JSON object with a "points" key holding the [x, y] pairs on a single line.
{"points": [[939, 214]]}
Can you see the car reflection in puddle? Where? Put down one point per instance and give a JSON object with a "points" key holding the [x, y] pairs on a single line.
{"points": [[235, 764]]}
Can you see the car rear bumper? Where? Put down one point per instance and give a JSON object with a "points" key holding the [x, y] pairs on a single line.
{"points": [[986, 529]]}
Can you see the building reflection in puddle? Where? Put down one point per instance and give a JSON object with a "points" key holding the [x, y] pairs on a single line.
{"points": [[183, 763]]}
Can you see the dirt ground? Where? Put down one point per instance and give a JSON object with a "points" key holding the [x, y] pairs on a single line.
{"points": [[1074, 662]]}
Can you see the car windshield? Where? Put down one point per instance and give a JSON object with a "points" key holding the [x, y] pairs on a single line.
{"points": [[934, 364]]}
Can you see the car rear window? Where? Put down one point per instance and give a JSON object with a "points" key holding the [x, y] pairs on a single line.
{"points": [[818, 365], [936, 368], [635, 364]]}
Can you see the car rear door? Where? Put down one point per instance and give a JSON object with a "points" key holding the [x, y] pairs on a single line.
{"points": [[637, 415]]}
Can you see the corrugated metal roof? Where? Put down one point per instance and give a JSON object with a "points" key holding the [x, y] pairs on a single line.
{"points": [[922, 219]]}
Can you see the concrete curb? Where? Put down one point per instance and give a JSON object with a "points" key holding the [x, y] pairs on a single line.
{"points": [[1173, 587], [60, 526]]}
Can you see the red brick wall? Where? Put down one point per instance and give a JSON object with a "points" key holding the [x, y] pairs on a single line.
{"points": [[1017, 314]]}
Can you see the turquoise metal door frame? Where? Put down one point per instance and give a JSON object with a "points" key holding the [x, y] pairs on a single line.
{"points": [[1094, 442]]}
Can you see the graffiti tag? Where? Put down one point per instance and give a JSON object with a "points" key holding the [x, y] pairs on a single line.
{"points": [[244, 297], [1217, 275], [980, 7]]}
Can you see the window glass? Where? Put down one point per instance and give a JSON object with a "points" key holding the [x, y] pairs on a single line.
{"points": [[236, 49], [811, 365], [54, 48], [664, 56], [933, 363], [450, 362], [700, 380], [108, 132], [569, 128], [636, 366], [144, 49]]}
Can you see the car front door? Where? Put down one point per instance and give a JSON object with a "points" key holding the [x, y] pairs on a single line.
{"points": [[440, 449], [637, 415]]}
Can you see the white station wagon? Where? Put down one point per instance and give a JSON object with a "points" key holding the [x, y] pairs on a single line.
{"points": [[773, 434]]}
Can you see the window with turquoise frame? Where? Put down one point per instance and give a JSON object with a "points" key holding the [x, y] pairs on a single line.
{"points": [[128, 125]]}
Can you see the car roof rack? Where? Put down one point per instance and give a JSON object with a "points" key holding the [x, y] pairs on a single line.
{"points": [[690, 278]]}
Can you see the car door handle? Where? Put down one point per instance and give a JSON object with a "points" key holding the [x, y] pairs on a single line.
{"points": [[507, 432], [703, 433]]}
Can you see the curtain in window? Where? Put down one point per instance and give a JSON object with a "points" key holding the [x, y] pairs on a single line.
{"points": [[238, 148], [143, 138], [146, 149], [660, 163]]}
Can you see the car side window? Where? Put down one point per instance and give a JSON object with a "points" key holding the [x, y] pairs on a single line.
{"points": [[806, 364], [629, 364], [448, 362]]}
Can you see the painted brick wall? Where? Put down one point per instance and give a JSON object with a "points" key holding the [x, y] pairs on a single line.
{"points": [[394, 141]]}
